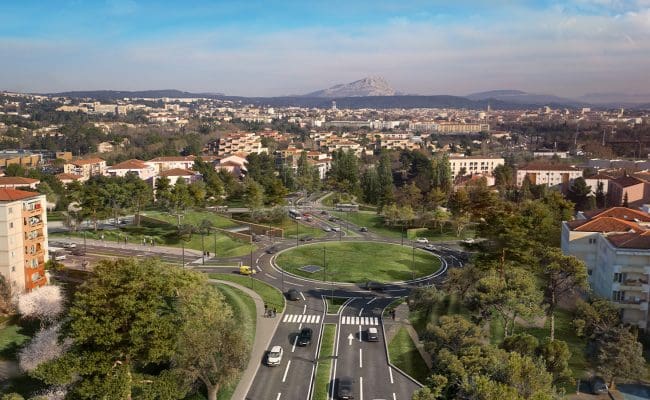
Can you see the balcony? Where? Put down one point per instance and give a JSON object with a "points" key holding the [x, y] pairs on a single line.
{"points": [[30, 212], [633, 304]]}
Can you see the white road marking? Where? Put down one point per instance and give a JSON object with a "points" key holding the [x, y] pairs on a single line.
{"points": [[286, 371], [258, 268], [294, 284], [361, 311], [361, 388], [390, 371], [375, 321], [317, 318], [373, 299], [394, 397], [303, 296], [278, 398], [304, 310], [360, 358], [293, 348], [286, 317], [271, 276], [258, 260], [359, 333], [350, 337]]}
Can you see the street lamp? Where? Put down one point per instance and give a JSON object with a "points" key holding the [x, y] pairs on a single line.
{"points": [[413, 260], [297, 239]]}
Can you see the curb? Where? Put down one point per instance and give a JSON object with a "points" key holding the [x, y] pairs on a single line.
{"points": [[388, 355]]}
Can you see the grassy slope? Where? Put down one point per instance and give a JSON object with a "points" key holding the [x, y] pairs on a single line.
{"points": [[195, 218], [322, 381], [359, 261], [405, 356], [245, 313], [271, 296]]}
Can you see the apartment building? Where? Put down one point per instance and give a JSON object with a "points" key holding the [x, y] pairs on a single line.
{"points": [[474, 165], [461, 128], [244, 142], [15, 182], [85, 167], [23, 238], [636, 190], [615, 245], [140, 168], [552, 175]]}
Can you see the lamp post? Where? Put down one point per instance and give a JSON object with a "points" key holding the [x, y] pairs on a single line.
{"points": [[413, 260], [215, 243], [297, 239]]}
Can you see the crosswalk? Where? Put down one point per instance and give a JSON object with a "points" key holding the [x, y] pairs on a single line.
{"points": [[345, 320], [301, 319]]}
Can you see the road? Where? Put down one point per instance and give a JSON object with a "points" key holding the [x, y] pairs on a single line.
{"points": [[366, 363]]}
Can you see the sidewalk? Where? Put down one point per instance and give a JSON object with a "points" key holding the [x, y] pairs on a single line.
{"points": [[264, 331], [401, 320]]}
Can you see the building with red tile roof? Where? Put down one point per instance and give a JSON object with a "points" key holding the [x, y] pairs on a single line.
{"points": [[18, 182]]}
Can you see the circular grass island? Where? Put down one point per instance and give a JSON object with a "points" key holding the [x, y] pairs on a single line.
{"points": [[356, 262]]}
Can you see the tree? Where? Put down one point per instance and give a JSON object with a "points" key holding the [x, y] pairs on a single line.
{"points": [[410, 195], [44, 304], [43, 347], [522, 343], [625, 200], [370, 186], [141, 194], [459, 203], [621, 355], [579, 194], [453, 333], [253, 195], [594, 318], [210, 348], [122, 322], [504, 176], [7, 305], [385, 178], [441, 173], [556, 355], [95, 200], [435, 198], [562, 275], [601, 199]]}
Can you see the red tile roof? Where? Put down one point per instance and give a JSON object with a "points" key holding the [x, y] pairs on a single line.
{"points": [[628, 214], [16, 180], [177, 172], [631, 240], [130, 164], [86, 161], [626, 181], [7, 194], [608, 224]]}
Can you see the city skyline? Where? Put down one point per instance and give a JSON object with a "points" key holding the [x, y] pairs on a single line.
{"points": [[256, 49]]}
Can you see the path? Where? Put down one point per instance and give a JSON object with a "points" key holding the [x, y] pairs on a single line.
{"points": [[264, 331]]}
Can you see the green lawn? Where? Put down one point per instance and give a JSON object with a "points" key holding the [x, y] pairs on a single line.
{"points": [[288, 225], [271, 296], [359, 261], [245, 313], [322, 381], [166, 235], [12, 337], [334, 304], [194, 217], [405, 356]]}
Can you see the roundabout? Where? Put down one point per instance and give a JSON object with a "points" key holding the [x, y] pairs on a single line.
{"points": [[357, 262]]}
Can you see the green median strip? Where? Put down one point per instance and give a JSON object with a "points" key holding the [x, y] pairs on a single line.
{"points": [[322, 380], [271, 296], [334, 304], [404, 355]]}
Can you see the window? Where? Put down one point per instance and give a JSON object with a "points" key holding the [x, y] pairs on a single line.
{"points": [[11, 210], [592, 240], [11, 225], [590, 271], [618, 295], [13, 269], [618, 277]]}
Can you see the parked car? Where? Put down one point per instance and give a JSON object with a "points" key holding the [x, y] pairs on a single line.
{"points": [[597, 385], [372, 335], [274, 357], [69, 245], [304, 337], [422, 240], [363, 229], [371, 285], [293, 295], [345, 389]]}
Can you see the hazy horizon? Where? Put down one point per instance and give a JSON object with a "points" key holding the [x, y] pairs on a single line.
{"points": [[261, 49]]}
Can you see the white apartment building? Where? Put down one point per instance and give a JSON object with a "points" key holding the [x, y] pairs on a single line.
{"points": [[245, 143], [23, 238], [474, 165], [86, 167], [140, 168], [615, 245], [551, 175]]}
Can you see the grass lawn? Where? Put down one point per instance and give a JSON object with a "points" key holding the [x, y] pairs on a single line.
{"points": [[165, 235], [334, 304], [194, 218], [271, 296], [12, 337], [322, 381], [359, 261], [288, 225], [245, 313], [405, 356]]}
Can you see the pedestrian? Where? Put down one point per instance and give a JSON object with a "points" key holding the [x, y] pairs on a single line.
{"points": [[208, 254], [392, 314], [274, 312], [266, 309]]}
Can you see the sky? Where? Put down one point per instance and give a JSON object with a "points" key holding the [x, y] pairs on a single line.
{"points": [[274, 48]]}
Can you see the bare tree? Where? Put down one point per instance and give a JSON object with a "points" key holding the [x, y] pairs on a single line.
{"points": [[44, 304]]}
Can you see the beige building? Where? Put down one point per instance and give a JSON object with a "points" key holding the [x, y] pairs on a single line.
{"points": [[86, 167], [23, 238], [615, 245], [140, 168], [474, 165], [244, 142], [551, 175], [451, 127], [15, 182]]}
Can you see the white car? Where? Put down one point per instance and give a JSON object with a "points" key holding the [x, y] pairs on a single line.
{"points": [[422, 240], [275, 356], [429, 247], [336, 229], [327, 229]]}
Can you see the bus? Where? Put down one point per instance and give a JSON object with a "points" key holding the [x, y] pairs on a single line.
{"points": [[347, 207], [295, 214]]}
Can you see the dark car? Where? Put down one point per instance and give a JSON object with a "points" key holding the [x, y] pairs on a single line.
{"points": [[346, 390], [272, 250], [306, 239], [363, 229], [597, 385], [323, 212], [304, 337], [293, 295], [371, 285], [333, 219], [78, 251]]}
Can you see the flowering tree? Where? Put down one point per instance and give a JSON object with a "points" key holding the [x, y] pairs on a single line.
{"points": [[44, 303], [45, 346]]}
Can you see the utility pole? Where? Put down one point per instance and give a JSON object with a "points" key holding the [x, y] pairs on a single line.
{"points": [[215, 243], [297, 238]]}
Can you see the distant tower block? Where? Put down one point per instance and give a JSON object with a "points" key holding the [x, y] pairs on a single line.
{"points": [[334, 105]]}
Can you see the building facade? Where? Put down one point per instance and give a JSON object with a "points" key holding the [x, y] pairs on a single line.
{"points": [[551, 175], [23, 238], [474, 165]]}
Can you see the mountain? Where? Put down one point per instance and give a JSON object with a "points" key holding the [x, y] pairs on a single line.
{"points": [[372, 86], [520, 97]]}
